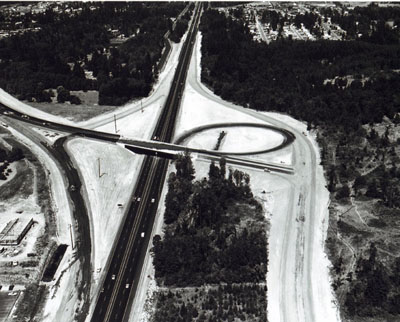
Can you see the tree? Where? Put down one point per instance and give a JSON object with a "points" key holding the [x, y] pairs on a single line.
{"points": [[63, 95], [343, 192], [75, 100]]}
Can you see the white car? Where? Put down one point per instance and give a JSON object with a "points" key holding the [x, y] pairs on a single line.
{"points": [[153, 200], [113, 276], [142, 234], [127, 285]]}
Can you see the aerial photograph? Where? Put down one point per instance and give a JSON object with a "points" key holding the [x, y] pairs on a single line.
{"points": [[199, 161]]}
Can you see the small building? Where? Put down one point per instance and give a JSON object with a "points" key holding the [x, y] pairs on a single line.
{"points": [[15, 231]]}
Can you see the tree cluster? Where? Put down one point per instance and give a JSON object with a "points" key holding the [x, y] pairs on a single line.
{"points": [[204, 241], [289, 76], [180, 27], [376, 288], [219, 303], [6, 158], [368, 23], [66, 45]]}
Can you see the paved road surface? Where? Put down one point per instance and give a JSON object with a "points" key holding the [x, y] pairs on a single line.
{"points": [[127, 259]]}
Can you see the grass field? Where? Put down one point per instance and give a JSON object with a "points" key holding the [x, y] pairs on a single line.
{"points": [[77, 113]]}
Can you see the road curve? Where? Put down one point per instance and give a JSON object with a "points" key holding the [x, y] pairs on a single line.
{"points": [[288, 137], [304, 295]]}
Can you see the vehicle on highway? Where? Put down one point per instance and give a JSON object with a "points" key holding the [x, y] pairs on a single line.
{"points": [[127, 285], [24, 116], [152, 200], [113, 276], [142, 234], [138, 199], [119, 205], [4, 124], [267, 170], [102, 290], [72, 188]]}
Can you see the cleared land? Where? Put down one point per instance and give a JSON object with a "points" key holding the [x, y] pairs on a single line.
{"points": [[26, 197], [88, 109]]}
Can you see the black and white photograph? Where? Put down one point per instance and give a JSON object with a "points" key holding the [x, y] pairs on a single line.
{"points": [[175, 161]]}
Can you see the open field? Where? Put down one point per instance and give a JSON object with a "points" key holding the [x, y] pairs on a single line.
{"points": [[75, 113]]}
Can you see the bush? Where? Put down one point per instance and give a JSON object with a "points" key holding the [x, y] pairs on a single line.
{"points": [[343, 192], [63, 95], [75, 100]]}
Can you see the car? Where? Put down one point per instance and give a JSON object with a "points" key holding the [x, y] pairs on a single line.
{"points": [[142, 234], [127, 285], [113, 276], [24, 116], [44, 123], [283, 162], [267, 170], [98, 270], [102, 290], [72, 188], [119, 205], [138, 199], [4, 124], [152, 200]]}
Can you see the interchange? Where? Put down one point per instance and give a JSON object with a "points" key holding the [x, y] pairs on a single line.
{"points": [[139, 208]]}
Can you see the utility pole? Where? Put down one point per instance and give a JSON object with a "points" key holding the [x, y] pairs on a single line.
{"points": [[115, 124], [70, 233]]}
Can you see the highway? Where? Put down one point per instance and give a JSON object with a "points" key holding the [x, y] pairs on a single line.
{"points": [[119, 287], [125, 264]]}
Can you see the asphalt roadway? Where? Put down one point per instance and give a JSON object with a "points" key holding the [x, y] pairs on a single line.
{"points": [[128, 253], [83, 246]]}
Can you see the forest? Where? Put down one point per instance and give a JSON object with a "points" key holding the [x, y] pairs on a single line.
{"points": [[68, 45], [205, 239], [215, 234], [347, 93], [290, 76]]}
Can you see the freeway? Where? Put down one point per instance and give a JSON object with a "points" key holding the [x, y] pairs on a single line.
{"points": [[130, 247], [119, 287]]}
